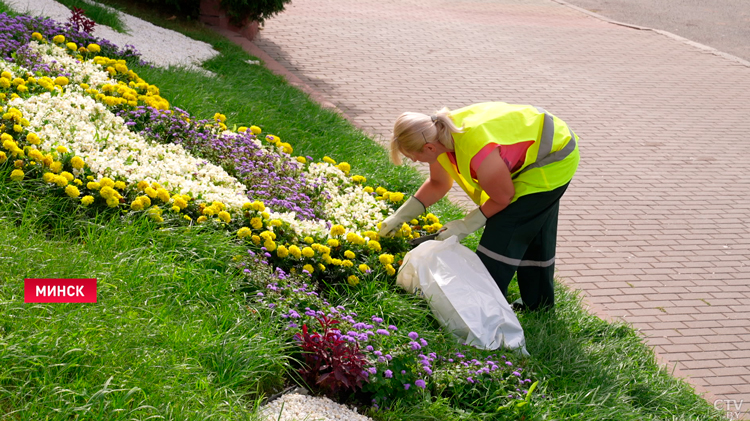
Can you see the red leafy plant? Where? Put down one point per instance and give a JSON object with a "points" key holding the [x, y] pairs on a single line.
{"points": [[331, 362], [79, 21]]}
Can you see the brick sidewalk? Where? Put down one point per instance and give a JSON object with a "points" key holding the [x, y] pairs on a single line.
{"points": [[655, 228]]}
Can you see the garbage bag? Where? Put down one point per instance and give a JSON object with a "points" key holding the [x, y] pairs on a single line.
{"points": [[462, 295]]}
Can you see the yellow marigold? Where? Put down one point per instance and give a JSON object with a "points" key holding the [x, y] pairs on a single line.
{"points": [[16, 175], [72, 191], [374, 245], [76, 162], [295, 251], [94, 48], [61, 81], [368, 189], [333, 242], [256, 239], [321, 267], [431, 218], [255, 129], [326, 258], [358, 179], [201, 219], [120, 185], [107, 192], [241, 129], [163, 195], [106, 182], [269, 245], [267, 235], [209, 211], [78, 182], [36, 36], [287, 148], [56, 167], [175, 209], [352, 280], [380, 191], [349, 254], [143, 185], [363, 268], [372, 235], [396, 197], [17, 128], [282, 252], [71, 46], [390, 270], [187, 217], [345, 167], [93, 185], [336, 262], [347, 263], [48, 177], [113, 202], [259, 206], [220, 117], [308, 252], [276, 222], [3, 157], [386, 259], [87, 200], [68, 176], [145, 200], [58, 39], [36, 155], [308, 240], [329, 160], [136, 205], [256, 223], [224, 216], [180, 202], [219, 206], [60, 181], [247, 206], [150, 192], [337, 230], [265, 215], [301, 159], [308, 268]]}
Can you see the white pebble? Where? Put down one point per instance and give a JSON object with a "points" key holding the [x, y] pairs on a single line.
{"points": [[298, 407]]}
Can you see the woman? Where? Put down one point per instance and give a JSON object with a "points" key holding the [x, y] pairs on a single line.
{"points": [[515, 162]]}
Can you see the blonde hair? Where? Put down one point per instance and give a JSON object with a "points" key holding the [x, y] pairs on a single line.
{"points": [[413, 130]]}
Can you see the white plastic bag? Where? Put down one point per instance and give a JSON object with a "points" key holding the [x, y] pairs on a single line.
{"points": [[462, 294]]}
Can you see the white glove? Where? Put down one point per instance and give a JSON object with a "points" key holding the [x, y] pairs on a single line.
{"points": [[411, 209], [463, 227]]}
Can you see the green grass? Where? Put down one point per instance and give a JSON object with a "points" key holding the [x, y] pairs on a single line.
{"points": [[170, 322], [168, 336]]}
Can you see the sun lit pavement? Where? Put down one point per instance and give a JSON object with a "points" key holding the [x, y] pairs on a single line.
{"points": [[655, 228]]}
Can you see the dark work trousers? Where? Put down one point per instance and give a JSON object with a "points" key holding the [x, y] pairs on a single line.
{"points": [[521, 239]]}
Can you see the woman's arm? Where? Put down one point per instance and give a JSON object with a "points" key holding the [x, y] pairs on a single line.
{"points": [[436, 186], [494, 178]]}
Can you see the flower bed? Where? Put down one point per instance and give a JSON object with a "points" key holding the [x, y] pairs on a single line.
{"points": [[87, 128]]}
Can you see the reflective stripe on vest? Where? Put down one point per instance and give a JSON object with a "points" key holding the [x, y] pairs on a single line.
{"points": [[514, 262], [545, 155]]}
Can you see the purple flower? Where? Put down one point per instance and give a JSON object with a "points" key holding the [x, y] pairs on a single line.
{"points": [[372, 370], [415, 346], [377, 319], [420, 384], [470, 380], [515, 373], [406, 386], [388, 374], [383, 332], [422, 341], [427, 370], [508, 363], [369, 348], [392, 327], [413, 335]]}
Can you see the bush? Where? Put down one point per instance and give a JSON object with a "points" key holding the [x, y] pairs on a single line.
{"points": [[237, 10]]}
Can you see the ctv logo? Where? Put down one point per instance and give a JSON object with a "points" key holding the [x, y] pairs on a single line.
{"points": [[59, 290], [733, 408]]}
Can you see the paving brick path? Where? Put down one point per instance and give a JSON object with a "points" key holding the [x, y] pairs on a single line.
{"points": [[655, 228]]}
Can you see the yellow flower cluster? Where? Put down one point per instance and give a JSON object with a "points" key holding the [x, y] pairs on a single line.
{"points": [[276, 141]]}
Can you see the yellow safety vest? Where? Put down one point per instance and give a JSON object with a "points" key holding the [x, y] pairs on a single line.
{"points": [[550, 162]]}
